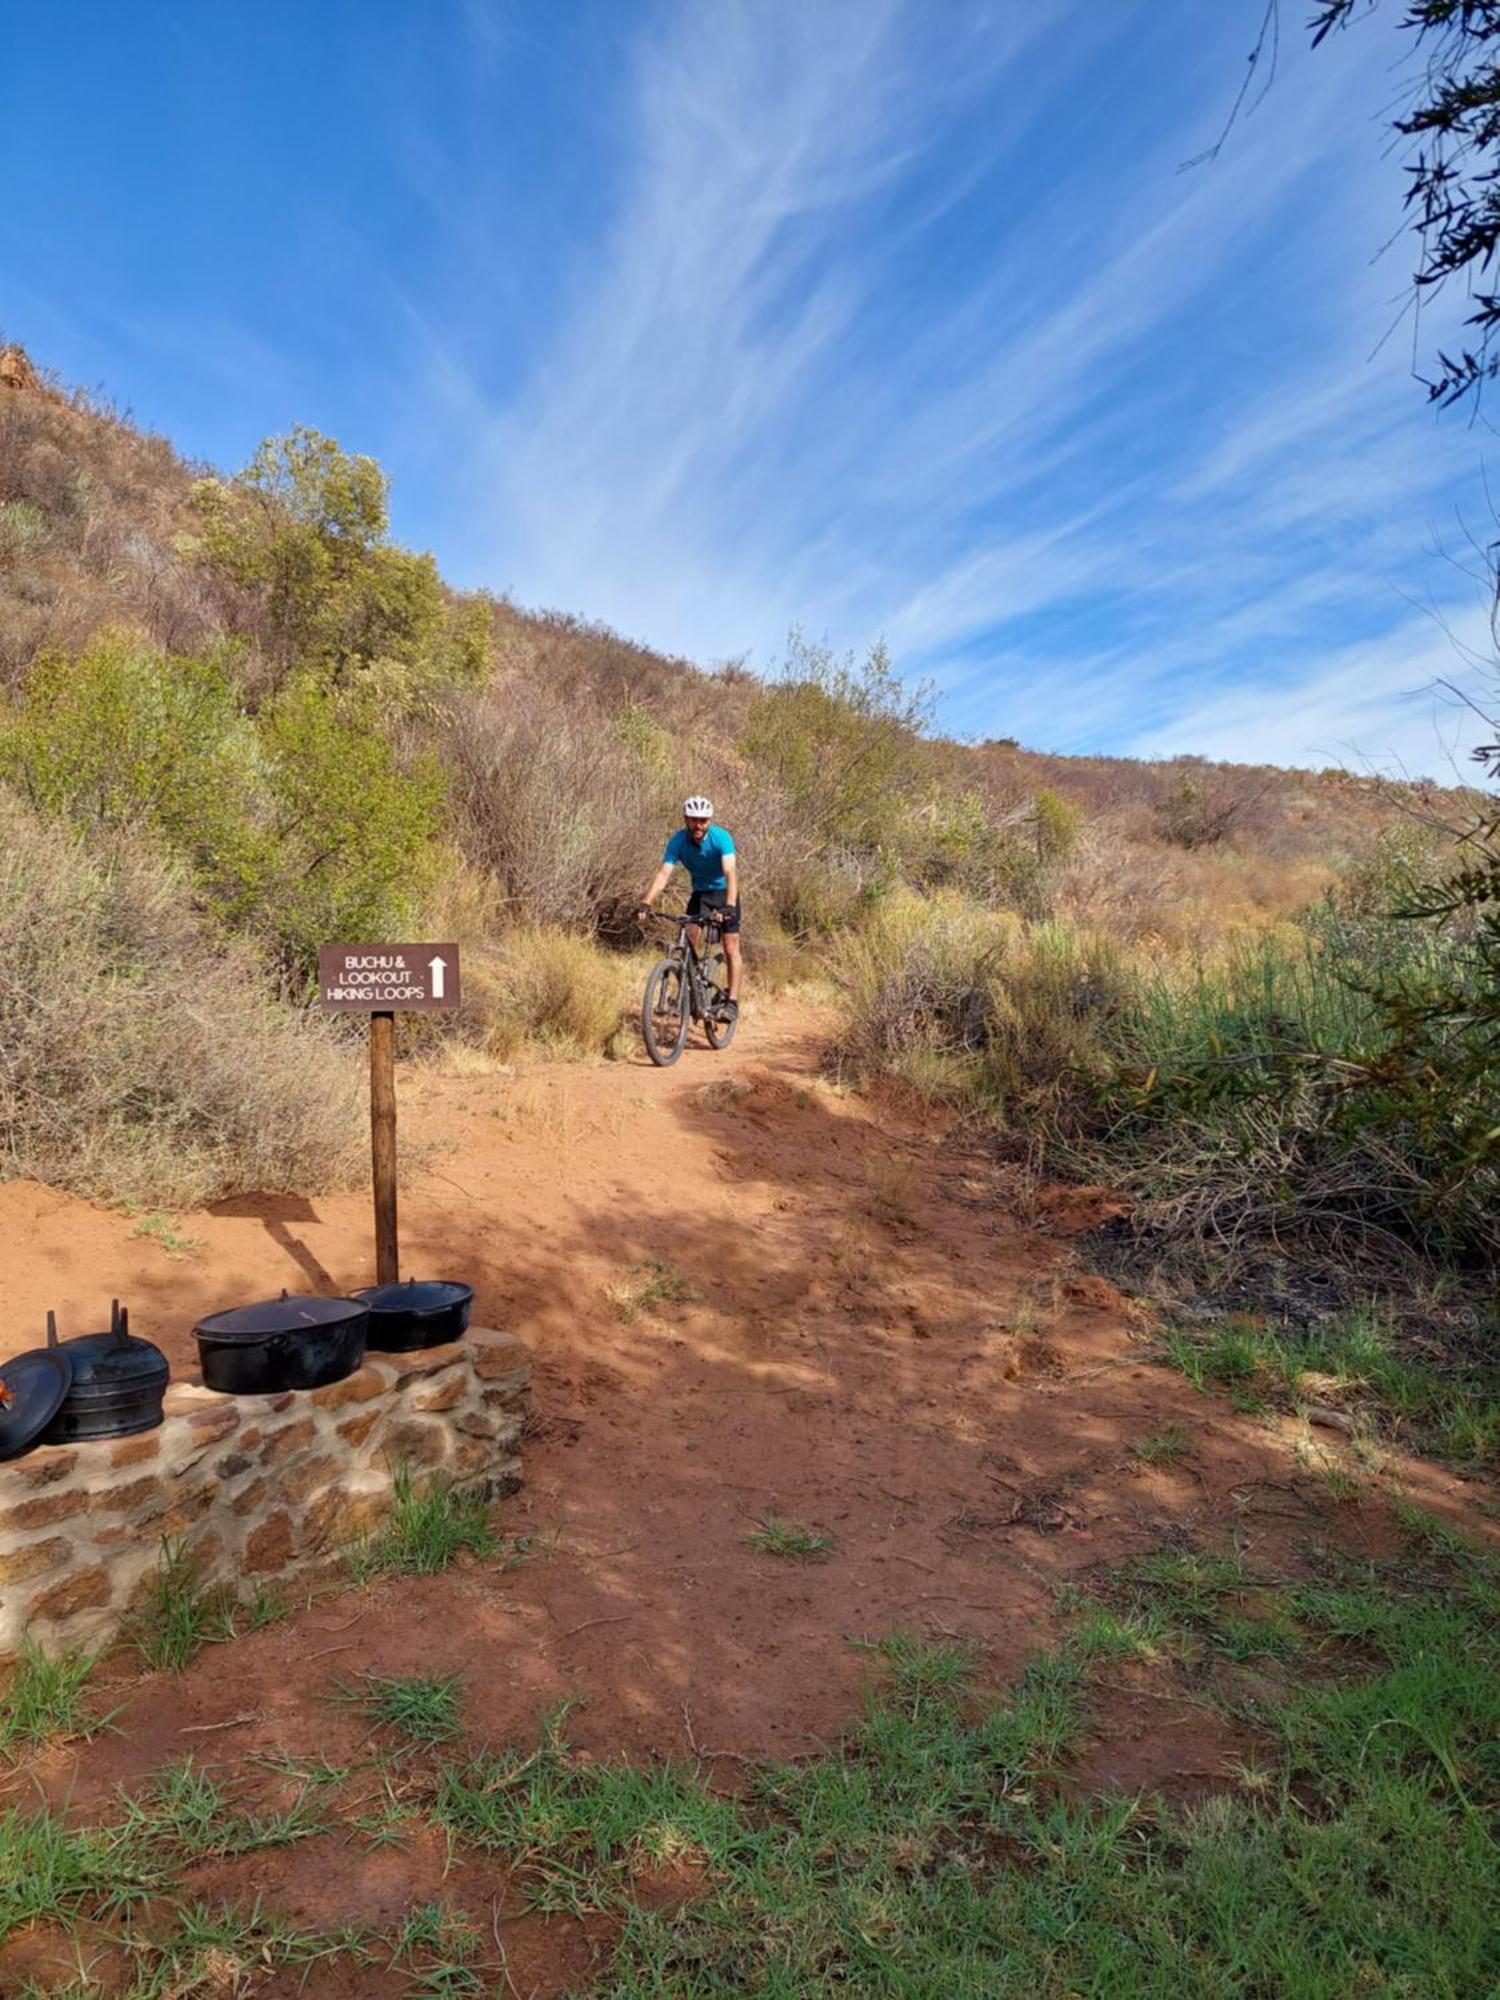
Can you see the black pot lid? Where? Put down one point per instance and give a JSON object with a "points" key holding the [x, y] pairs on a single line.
{"points": [[116, 1357], [35, 1385], [416, 1295], [305, 1314], [105, 1357]]}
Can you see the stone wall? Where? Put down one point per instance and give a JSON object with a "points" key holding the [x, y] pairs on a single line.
{"points": [[262, 1491]]}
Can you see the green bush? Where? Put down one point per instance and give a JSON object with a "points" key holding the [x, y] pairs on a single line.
{"points": [[124, 737], [1055, 826], [350, 846], [557, 988], [977, 1008], [299, 826], [1264, 1099]]}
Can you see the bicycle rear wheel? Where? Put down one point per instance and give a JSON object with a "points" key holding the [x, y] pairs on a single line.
{"points": [[718, 1027], [664, 1012]]}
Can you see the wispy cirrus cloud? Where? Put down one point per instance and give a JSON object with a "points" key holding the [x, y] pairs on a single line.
{"points": [[912, 326]]}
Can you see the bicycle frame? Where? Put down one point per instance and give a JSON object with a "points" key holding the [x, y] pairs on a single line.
{"points": [[692, 958]]}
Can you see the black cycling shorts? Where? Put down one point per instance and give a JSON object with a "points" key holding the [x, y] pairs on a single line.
{"points": [[703, 900]]}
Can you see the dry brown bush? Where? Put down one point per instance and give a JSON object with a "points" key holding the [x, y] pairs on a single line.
{"points": [[1141, 891], [552, 805], [143, 1056]]}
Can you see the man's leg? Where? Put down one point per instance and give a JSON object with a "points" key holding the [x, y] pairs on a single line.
{"points": [[732, 954]]}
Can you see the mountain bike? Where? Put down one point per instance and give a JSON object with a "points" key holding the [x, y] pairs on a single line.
{"points": [[690, 984]]}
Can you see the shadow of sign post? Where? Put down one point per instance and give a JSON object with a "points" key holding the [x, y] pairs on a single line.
{"points": [[381, 981]]}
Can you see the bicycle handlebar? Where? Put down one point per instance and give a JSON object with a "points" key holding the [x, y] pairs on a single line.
{"points": [[670, 917]]}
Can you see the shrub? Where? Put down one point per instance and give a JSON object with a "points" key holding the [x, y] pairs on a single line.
{"points": [[1201, 808], [123, 737], [772, 956], [554, 987], [141, 1057], [23, 529], [566, 816], [350, 848], [300, 826], [1260, 1101], [1055, 825], [839, 741], [979, 1009]]}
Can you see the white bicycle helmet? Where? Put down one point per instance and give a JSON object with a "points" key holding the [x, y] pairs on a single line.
{"points": [[697, 807]]}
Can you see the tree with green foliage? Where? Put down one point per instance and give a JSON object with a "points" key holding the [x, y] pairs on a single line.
{"points": [[304, 534]]}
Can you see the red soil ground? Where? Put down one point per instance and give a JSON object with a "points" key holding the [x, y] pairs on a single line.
{"points": [[884, 1349]]}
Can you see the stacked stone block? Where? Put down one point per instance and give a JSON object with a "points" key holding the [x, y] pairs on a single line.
{"points": [[259, 1490]]}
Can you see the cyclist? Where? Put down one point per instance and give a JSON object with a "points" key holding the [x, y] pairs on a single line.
{"points": [[707, 853]]}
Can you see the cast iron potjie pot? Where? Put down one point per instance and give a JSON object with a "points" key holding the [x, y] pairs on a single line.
{"points": [[285, 1343], [117, 1386], [32, 1388], [420, 1313]]}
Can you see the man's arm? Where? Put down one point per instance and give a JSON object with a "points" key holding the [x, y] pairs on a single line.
{"points": [[731, 878], [659, 882]]}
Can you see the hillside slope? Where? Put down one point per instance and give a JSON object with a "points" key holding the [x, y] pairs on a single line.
{"points": [[93, 512]]}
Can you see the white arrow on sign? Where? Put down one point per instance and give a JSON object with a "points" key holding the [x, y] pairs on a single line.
{"points": [[438, 966]]}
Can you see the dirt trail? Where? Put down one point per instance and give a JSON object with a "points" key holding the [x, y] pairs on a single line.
{"points": [[882, 1351]]}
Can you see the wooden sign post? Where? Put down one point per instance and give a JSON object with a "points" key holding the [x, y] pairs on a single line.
{"points": [[382, 980]]}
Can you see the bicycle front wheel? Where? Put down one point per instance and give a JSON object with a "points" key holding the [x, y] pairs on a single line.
{"points": [[717, 1025], [664, 1012]]}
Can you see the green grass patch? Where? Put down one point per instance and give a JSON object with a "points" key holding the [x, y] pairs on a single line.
{"points": [[773, 1536], [160, 1229], [186, 1814], [183, 1611], [1358, 1362], [1140, 1634], [1187, 1608], [47, 1699], [429, 1528], [53, 1872], [424, 1709], [221, 1948], [1168, 1447], [939, 1847], [438, 1948], [180, 1613]]}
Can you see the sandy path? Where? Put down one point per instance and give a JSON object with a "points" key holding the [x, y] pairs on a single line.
{"points": [[882, 1350]]}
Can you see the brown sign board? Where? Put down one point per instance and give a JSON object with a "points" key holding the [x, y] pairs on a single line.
{"points": [[387, 978]]}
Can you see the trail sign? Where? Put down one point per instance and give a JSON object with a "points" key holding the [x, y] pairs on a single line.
{"points": [[380, 980], [386, 978]]}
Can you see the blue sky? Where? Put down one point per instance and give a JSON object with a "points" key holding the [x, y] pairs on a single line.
{"points": [[709, 318]]}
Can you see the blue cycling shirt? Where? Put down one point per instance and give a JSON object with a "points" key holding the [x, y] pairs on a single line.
{"points": [[705, 863]]}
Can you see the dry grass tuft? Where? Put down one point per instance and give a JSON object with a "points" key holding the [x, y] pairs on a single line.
{"points": [[553, 987], [144, 1057]]}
